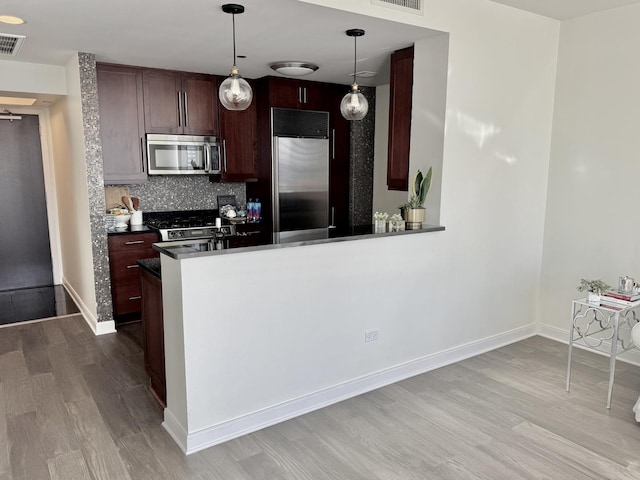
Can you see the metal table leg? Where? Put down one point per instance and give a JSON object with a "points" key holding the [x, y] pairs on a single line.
{"points": [[571, 327], [612, 358]]}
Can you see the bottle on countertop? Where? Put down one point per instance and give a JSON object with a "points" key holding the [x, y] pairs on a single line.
{"points": [[257, 215], [250, 207]]}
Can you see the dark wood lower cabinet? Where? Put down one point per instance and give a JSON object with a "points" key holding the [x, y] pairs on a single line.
{"points": [[153, 334]]}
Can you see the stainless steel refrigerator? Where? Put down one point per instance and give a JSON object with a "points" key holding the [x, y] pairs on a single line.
{"points": [[300, 175]]}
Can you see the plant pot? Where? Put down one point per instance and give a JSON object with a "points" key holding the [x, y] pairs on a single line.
{"points": [[593, 297], [415, 217]]}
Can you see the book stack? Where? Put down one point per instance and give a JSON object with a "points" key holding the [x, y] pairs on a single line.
{"points": [[620, 300]]}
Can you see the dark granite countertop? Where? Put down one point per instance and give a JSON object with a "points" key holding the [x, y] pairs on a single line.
{"points": [[201, 248], [129, 230], [151, 265]]}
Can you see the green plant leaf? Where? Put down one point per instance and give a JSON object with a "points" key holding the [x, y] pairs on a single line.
{"points": [[415, 185], [425, 186]]}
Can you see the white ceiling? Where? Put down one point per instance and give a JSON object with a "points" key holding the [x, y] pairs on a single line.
{"points": [[196, 36], [565, 9]]}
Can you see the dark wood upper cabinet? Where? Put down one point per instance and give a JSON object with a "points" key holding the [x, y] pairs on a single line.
{"points": [[400, 99], [298, 94], [120, 101], [238, 131], [179, 103]]}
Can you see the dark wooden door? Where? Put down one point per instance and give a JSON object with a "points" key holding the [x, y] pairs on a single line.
{"points": [[339, 163], [25, 251], [400, 99], [153, 334], [239, 143], [121, 105], [200, 100], [162, 101]]}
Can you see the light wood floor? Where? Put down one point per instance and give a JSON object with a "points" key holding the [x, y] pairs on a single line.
{"points": [[75, 406]]}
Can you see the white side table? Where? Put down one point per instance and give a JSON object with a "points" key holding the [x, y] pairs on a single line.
{"points": [[594, 324]]}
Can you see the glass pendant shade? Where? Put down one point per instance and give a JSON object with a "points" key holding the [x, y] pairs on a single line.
{"points": [[354, 105], [235, 92]]}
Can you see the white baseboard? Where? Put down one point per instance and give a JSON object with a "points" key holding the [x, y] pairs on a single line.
{"points": [[561, 335], [99, 328], [219, 433]]}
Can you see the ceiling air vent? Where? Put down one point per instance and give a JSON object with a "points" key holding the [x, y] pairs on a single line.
{"points": [[410, 6], [11, 44]]}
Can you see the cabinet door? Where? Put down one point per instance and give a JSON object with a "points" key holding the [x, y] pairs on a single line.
{"points": [[239, 143], [153, 334], [199, 104], [400, 99], [339, 163], [284, 93], [318, 96], [121, 124], [162, 101]]}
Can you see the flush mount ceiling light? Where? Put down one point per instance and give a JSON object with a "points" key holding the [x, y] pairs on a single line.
{"points": [[11, 20], [354, 105], [235, 92], [294, 69]]}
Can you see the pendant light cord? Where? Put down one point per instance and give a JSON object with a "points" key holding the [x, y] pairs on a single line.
{"points": [[233, 17], [355, 56]]}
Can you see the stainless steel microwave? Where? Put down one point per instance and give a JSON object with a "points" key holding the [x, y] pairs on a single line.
{"points": [[183, 155]]}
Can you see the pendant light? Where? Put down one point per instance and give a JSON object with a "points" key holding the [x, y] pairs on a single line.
{"points": [[235, 93], [354, 105]]}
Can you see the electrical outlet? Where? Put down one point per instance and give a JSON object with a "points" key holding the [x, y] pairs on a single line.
{"points": [[370, 336]]}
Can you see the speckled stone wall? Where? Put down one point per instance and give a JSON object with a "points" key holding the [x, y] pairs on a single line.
{"points": [[184, 192], [362, 151], [93, 158]]}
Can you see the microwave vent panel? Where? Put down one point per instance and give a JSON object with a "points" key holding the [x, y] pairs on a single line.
{"points": [[409, 6], [11, 44]]}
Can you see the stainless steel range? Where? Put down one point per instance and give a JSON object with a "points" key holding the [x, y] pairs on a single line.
{"points": [[188, 225]]}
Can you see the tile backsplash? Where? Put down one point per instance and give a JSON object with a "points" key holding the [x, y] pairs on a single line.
{"points": [[184, 192]]}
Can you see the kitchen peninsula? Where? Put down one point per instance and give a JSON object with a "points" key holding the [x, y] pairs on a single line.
{"points": [[256, 335]]}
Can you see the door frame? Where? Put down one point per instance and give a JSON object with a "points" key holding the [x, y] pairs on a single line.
{"points": [[49, 184]]}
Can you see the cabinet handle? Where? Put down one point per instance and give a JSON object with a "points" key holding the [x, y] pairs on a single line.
{"points": [[133, 266], [135, 298], [136, 242], [305, 94], [142, 154], [333, 144], [299, 94], [224, 148], [186, 110], [179, 109]]}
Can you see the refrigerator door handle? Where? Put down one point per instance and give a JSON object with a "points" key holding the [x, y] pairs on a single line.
{"points": [[333, 218], [275, 189], [333, 144]]}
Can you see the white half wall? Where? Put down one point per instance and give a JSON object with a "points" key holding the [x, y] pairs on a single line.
{"points": [[591, 229], [291, 339], [67, 135]]}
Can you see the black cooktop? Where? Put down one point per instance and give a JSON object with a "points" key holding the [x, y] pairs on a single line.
{"points": [[181, 219]]}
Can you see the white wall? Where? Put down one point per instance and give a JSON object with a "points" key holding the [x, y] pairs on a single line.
{"points": [[73, 199], [384, 200], [477, 280], [32, 78], [427, 127], [591, 225]]}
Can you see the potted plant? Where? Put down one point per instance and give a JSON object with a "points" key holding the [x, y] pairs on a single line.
{"points": [[414, 208], [594, 289]]}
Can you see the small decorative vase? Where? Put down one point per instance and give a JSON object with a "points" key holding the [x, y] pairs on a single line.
{"points": [[380, 226], [593, 297], [415, 217]]}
